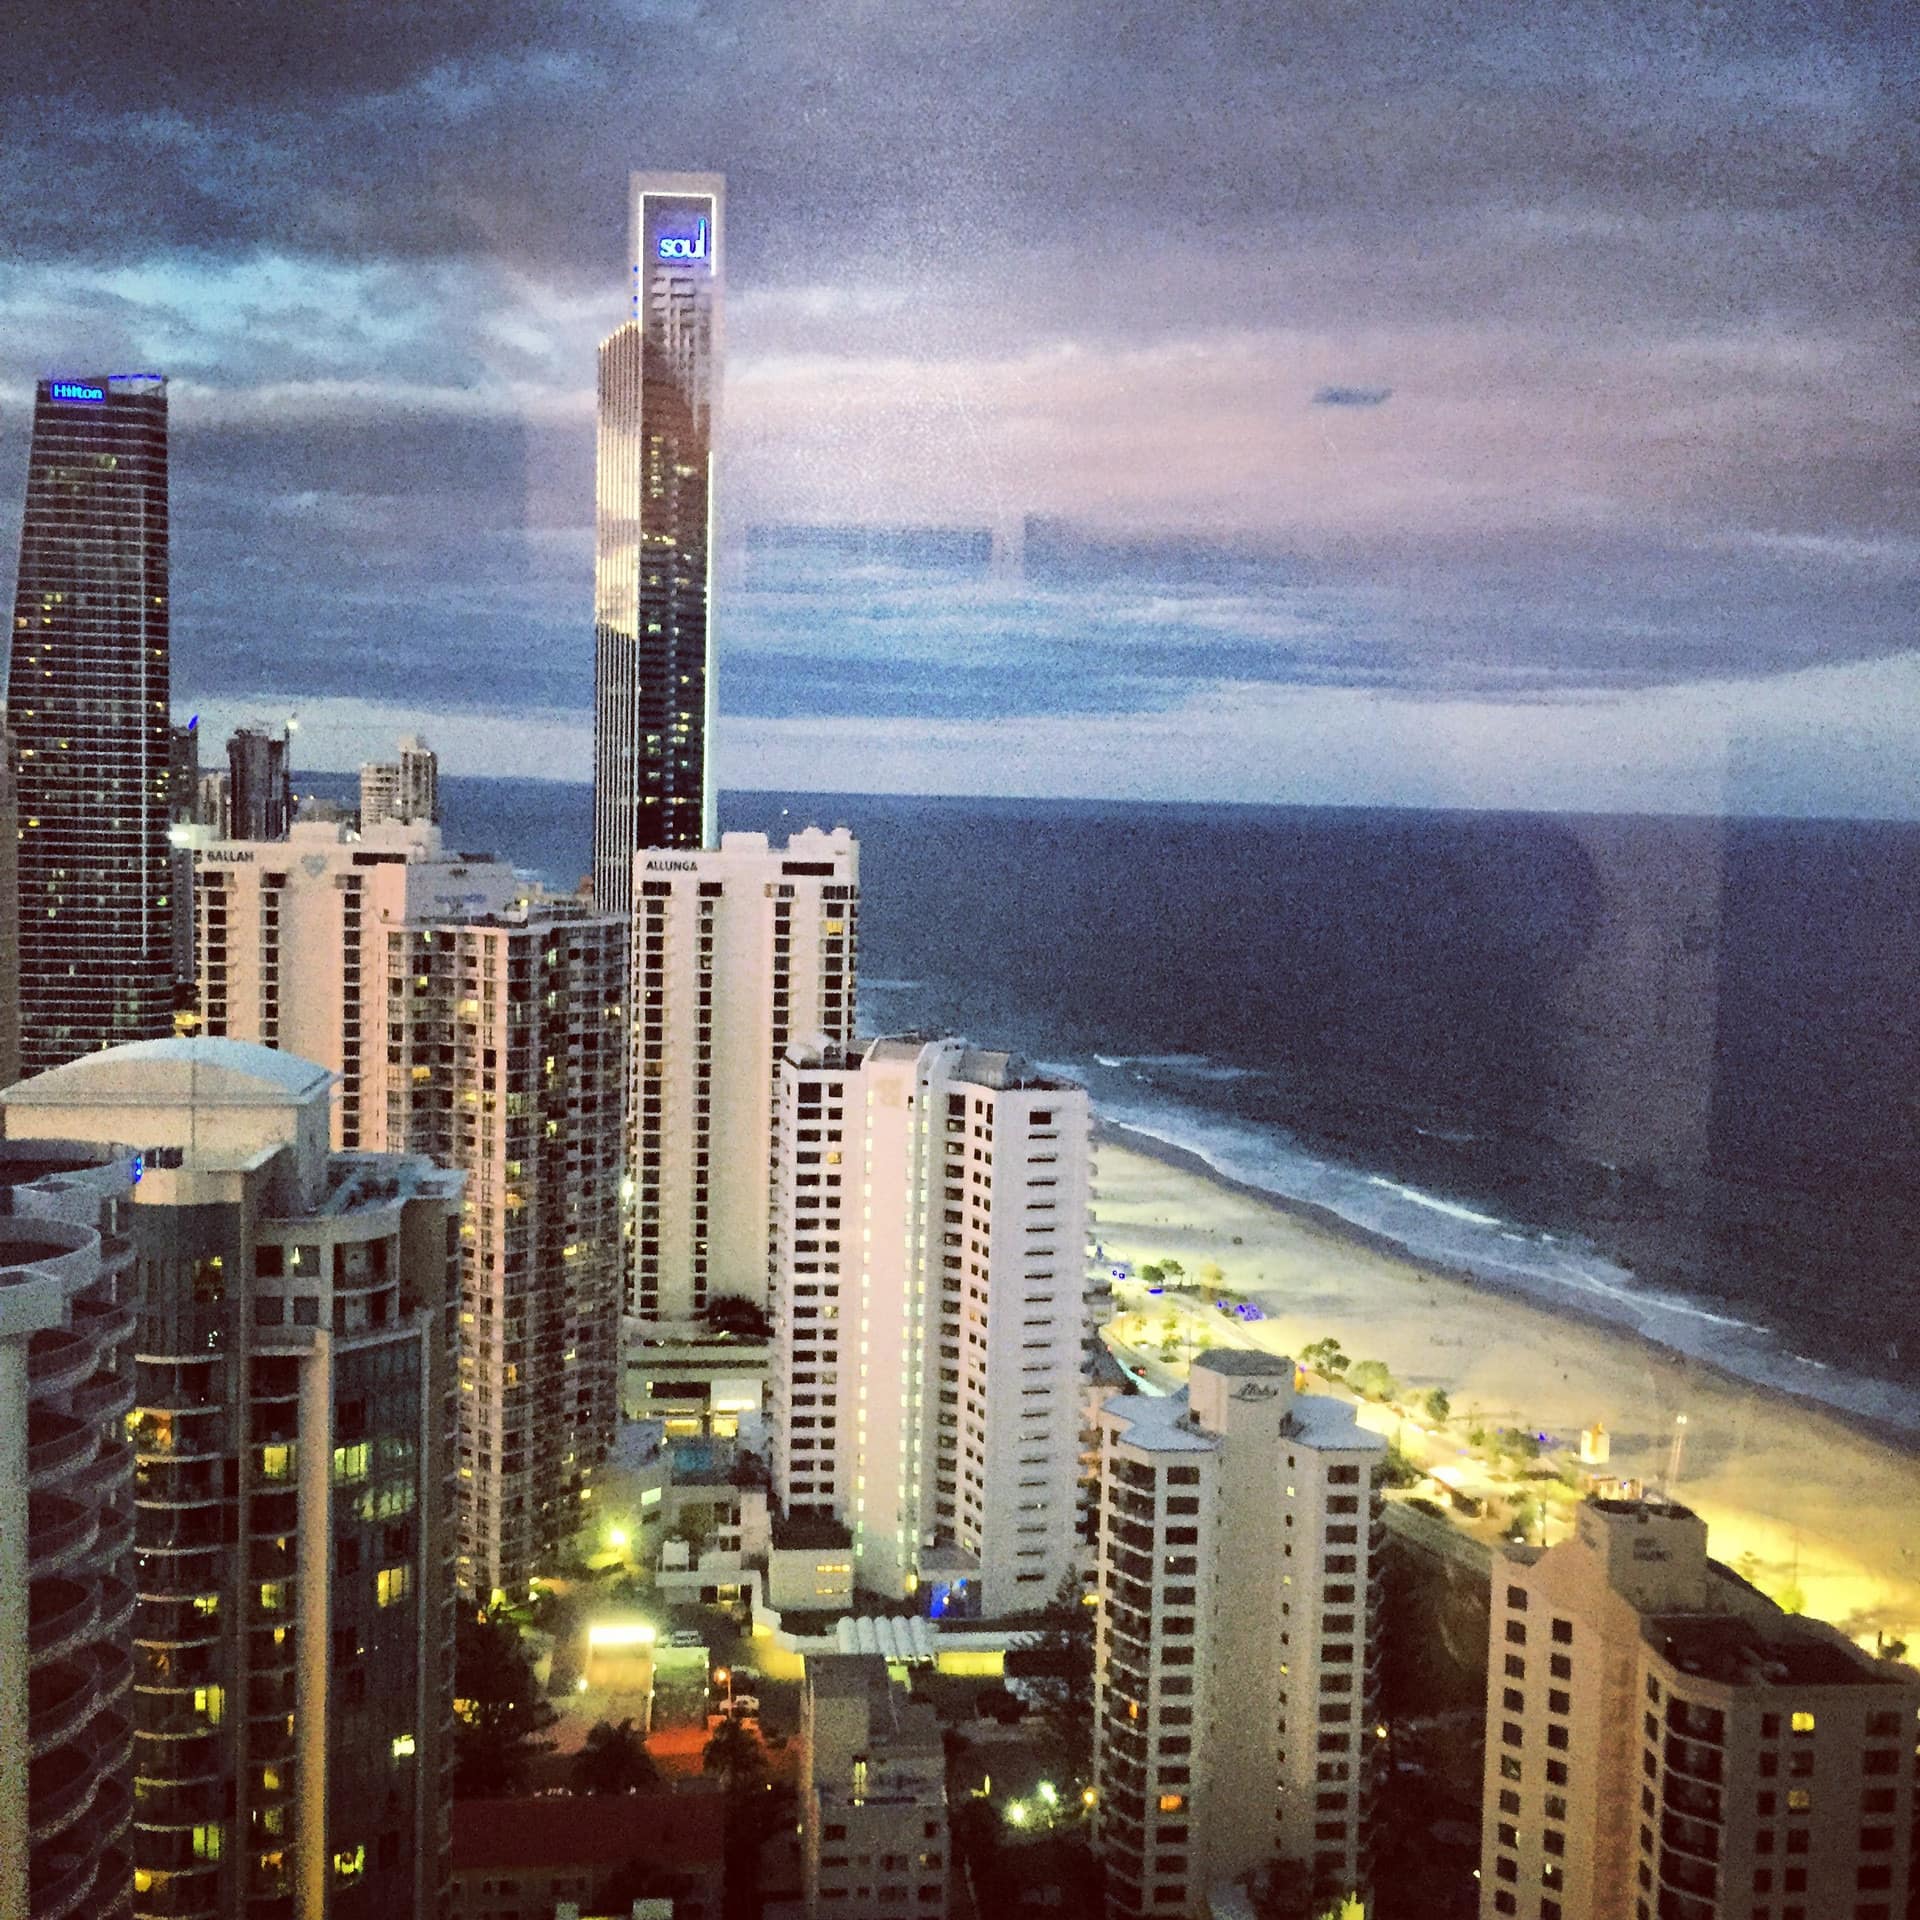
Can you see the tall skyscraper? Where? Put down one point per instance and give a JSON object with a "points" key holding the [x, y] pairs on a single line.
{"points": [[183, 806], [930, 1215], [472, 1024], [1663, 1743], [9, 920], [292, 1427], [653, 697], [736, 952], [87, 692], [260, 773], [406, 789], [66, 1531], [1238, 1627]]}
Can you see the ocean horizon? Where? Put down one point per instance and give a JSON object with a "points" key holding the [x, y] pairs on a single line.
{"points": [[1656, 1070]]}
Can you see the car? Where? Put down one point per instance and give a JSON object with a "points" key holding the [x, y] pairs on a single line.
{"points": [[686, 1637]]}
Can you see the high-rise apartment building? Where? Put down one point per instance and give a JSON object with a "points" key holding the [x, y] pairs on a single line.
{"points": [[292, 1429], [1238, 1624], [406, 789], [1663, 1743], [183, 810], [467, 1022], [213, 803], [737, 952], [659, 390], [66, 1533], [87, 691], [930, 1216], [873, 1795], [9, 920], [260, 783]]}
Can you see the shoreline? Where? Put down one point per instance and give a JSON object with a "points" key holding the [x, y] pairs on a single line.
{"points": [[1335, 1226], [1817, 1508]]}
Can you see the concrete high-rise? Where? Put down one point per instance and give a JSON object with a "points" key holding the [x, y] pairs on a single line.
{"points": [[260, 783], [471, 1023], [1663, 1743], [406, 789], [737, 952], [183, 807], [9, 920], [873, 1794], [659, 390], [66, 1532], [292, 1429], [930, 1219], [87, 692], [1238, 1628]]}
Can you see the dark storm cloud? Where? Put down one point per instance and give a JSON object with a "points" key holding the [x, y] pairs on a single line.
{"points": [[1642, 276]]}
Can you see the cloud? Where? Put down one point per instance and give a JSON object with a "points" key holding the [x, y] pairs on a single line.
{"points": [[1352, 396]]}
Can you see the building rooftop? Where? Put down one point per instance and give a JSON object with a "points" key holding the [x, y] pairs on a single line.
{"points": [[845, 1676], [809, 1534], [197, 1072], [685, 1830], [1783, 1652], [1246, 1363], [1157, 1423], [357, 1180], [1321, 1421]]}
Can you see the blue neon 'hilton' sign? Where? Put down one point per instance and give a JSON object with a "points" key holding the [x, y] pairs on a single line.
{"points": [[684, 246], [77, 390]]}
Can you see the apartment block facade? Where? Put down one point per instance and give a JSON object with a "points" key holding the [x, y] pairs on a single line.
{"points": [[930, 1212], [1237, 1640], [737, 952], [66, 1532], [873, 1795], [485, 1029], [1664, 1743], [292, 1432]]}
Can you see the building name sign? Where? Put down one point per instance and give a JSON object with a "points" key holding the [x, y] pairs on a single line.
{"points": [[1256, 1390], [685, 246], [227, 856], [77, 390], [672, 866]]}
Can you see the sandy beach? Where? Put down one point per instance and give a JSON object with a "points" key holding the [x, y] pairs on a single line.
{"points": [[1792, 1496]]}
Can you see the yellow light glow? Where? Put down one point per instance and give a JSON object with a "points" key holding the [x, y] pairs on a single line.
{"points": [[620, 1633]]}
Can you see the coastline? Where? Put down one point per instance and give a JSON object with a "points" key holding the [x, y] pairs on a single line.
{"points": [[1799, 1495], [1892, 1434]]}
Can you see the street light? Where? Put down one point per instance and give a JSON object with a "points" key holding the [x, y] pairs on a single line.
{"points": [[724, 1675], [617, 1539]]}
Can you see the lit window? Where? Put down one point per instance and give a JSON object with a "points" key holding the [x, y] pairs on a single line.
{"points": [[403, 1747], [1172, 1802], [276, 1462], [349, 1863], [206, 1843], [352, 1462], [1803, 1723], [391, 1584]]}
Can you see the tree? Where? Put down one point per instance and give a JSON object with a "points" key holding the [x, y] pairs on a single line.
{"points": [[1371, 1379], [1153, 1274], [1057, 1661], [734, 1313], [1439, 1407], [501, 1713], [734, 1753], [1325, 1357], [1173, 1272], [613, 1760], [1397, 1470]]}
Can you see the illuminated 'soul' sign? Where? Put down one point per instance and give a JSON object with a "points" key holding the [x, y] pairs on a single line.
{"points": [[685, 246]]}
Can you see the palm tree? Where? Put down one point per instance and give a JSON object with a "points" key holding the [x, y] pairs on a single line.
{"points": [[734, 1753], [613, 1760]]}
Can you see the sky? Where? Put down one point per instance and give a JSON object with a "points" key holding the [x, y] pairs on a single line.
{"points": [[1467, 404]]}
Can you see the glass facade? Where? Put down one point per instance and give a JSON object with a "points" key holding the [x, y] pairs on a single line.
{"points": [[87, 690], [653, 680]]}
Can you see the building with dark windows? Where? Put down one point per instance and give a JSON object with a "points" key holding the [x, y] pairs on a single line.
{"points": [[87, 688], [292, 1427], [260, 784], [1664, 1743], [66, 1532], [653, 565]]}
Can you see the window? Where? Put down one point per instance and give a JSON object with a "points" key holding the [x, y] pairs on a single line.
{"points": [[391, 1585]]}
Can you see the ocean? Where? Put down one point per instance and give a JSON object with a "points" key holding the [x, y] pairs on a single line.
{"points": [[1663, 1071]]}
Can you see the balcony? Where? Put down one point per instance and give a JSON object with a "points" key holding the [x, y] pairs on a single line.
{"points": [[59, 1533], [60, 1698], [104, 1395], [60, 1614], [55, 1443], [58, 1359]]}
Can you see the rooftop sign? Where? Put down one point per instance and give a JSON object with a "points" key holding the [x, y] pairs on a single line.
{"points": [[685, 246], [76, 390]]}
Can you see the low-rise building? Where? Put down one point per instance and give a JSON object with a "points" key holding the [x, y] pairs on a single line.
{"points": [[873, 1796]]}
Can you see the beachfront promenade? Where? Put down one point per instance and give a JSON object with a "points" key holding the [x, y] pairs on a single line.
{"points": [[1804, 1505]]}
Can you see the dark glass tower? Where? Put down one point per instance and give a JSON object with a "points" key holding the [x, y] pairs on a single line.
{"points": [[87, 688], [653, 568]]}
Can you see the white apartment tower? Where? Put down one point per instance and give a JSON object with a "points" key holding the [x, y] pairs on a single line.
{"points": [[1663, 1743], [406, 789], [873, 1795], [1238, 1610], [737, 951], [930, 1206], [472, 1024]]}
